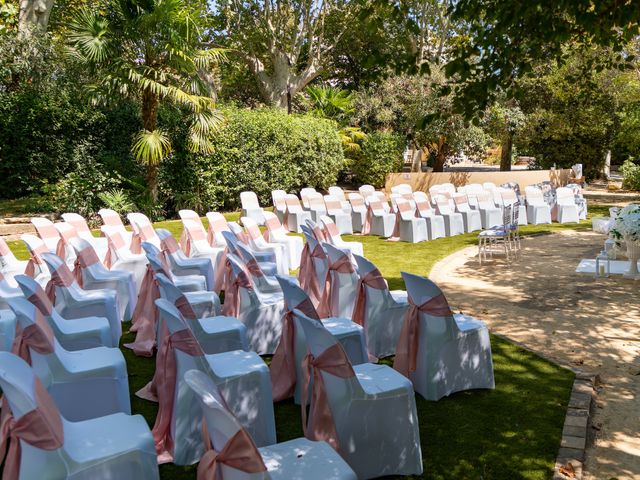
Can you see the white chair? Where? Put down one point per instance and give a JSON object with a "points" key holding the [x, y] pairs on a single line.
{"points": [[265, 259], [80, 224], [73, 302], [78, 334], [85, 383], [355, 395], [112, 446], [538, 211], [286, 365], [382, 223], [259, 244], [276, 233], [261, 281], [92, 275], [335, 211], [50, 236], [379, 310], [182, 265], [112, 220], [35, 266], [315, 205], [279, 205], [453, 222], [194, 244], [9, 264], [120, 257], [294, 459], [435, 223], [7, 326], [565, 210], [453, 352], [215, 333], [191, 216], [143, 230], [332, 236], [67, 233], [342, 280], [490, 214], [358, 211], [251, 207], [509, 198], [305, 193], [261, 314], [217, 225], [402, 188], [295, 215], [497, 239], [338, 193], [366, 190], [412, 229], [242, 377], [471, 218]]}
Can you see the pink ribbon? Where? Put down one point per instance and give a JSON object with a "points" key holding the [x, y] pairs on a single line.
{"points": [[408, 342], [320, 426], [115, 242], [136, 243], [253, 267], [38, 336], [330, 230], [184, 307], [84, 258], [231, 305], [34, 259], [222, 271], [60, 277], [342, 265], [219, 225], [366, 225], [41, 428], [373, 279], [40, 300], [5, 251], [307, 275], [240, 452], [283, 363], [273, 225], [112, 220], [190, 235], [166, 376]]}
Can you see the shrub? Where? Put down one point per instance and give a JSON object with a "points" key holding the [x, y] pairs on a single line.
{"points": [[630, 175], [259, 150], [381, 153]]}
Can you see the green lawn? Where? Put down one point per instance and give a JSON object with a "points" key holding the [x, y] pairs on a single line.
{"points": [[512, 432]]}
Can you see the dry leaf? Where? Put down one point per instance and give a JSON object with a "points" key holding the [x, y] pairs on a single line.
{"points": [[567, 470]]}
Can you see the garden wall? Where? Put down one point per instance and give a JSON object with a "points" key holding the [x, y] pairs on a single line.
{"points": [[422, 181]]}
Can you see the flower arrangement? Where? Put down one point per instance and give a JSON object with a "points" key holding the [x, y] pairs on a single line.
{"points": [[627, 224]]}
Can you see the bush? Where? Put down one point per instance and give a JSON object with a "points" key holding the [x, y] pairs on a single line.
{"points": [[259, 150], [381, 153], [630, 175]]}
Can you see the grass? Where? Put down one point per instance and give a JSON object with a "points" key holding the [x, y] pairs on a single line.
{"points": [[512, 432]]}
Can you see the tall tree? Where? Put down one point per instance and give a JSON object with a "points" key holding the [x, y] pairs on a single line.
{"points": [[153, 53], [285, 43], [34, 15]]}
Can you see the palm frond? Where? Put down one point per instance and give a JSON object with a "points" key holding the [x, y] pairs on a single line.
{"points": [[150, 148], [89, 35]]}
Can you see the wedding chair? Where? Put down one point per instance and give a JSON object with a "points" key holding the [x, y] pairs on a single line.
{"points": [[50, 447], [183, 265], [50, 236], [194, 243], [491, 215], [35, 266], [332, 236], [471, 218], [366, 190], [382, 223], [120, 257], [276, 233], [314, 266], [342, 280], [184, 277], [265, 283], [566, 210], [509, 198], [538, 211], [80, 224], [7, 325], [453, 222], [453, 352], [305, 193], [217, 225], [143, 230], [258, 244], [295, 215], [411, 229], [112, 220], [315, 205], [251, 207], [498, 235], [228, 440], [335, 211], [85, 383], [402, 188], [279, 205], [343, 400], [358, 212], [435, 223], [339, 194], [9, 264], [265, 259]]}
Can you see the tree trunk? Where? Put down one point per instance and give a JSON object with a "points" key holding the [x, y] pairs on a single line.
{"points": [[416, 160], [150, 103], [505, 156], [34, 15], [441, 157]]}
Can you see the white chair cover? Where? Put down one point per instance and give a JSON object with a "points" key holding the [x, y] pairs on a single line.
{"points": [[566, 210], [295, 216], [251, 207], [82, 229], [491, 215], [471, 218], [259, 244], [538, 211], [453, 222], [276, 233], [335, 211], [435, 223], [333, 237], [411, 228]]}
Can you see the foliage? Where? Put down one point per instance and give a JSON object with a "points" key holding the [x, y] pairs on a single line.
{"points": [[8, 16], [505, 40], [630, 175], [329, 102], [117, 200], [627, 224], [381, 153], [257, 150]]}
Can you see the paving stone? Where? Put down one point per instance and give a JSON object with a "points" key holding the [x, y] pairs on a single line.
{"points": [[573, 431], [573, 442], [565, 454], [577, 412], [580, 400], [576, 420], [582, 386]]}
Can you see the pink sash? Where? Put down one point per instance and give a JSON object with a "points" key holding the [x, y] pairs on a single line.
{"points": [[184, 307], [273, 225], [34, 259], [408, 342], [283, 363], [145, 315], [60, 277], [373, 279], [37, 336], [41, 428], [136, 243], [221, 271], [320, 426], [307, 275], [115, 242], [366, 224], [253, 267], [40, 300], [342, 265], [85, 258], [231, 306], [167, 368], [240, 452]]}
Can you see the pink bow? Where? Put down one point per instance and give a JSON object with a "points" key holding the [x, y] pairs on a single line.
{"points": [[60, 277], [84, 258], [408, 342], [231, 305], [37, 337], [373, 279]]}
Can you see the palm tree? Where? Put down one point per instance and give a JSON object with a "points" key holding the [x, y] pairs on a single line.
{"points": [[330, 102], [151, 50]]}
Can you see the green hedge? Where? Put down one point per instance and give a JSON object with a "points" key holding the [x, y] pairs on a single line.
{"points": [[381, 153], [259, 150]]}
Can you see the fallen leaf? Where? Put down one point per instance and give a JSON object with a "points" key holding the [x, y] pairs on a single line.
{"points": [[567, 470]]}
